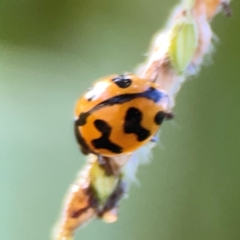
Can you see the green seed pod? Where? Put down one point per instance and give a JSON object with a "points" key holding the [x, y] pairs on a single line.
{"points": [[103, 184], [183, 44]]}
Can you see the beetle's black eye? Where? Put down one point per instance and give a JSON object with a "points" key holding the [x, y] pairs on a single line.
{"points": [[123, 81]]}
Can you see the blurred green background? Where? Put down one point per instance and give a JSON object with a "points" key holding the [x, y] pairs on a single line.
{"points": [[50, 53]]}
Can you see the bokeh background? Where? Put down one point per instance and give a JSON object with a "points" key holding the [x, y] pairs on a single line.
{"points": [[50, 53]]}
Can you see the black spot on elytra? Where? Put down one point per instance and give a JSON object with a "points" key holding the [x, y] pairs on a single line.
{"points": [[81, 141], [132, 124], [159, 117], [82, 118], [151, 94], [104, 142], [122, 81]]}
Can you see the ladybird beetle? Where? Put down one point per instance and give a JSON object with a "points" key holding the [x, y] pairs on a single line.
{"points": [[119, 114]]}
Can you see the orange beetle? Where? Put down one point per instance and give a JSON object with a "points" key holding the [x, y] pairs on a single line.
{"points": [[119, 114]]}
